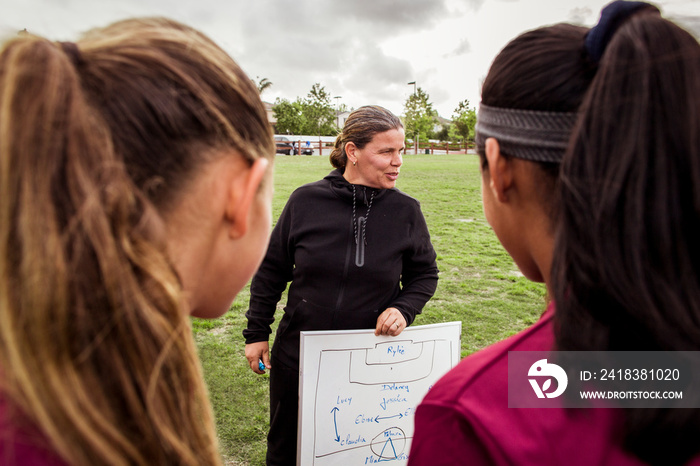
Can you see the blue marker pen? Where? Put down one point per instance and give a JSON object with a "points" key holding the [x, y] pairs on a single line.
{"points": [[261, 366]]}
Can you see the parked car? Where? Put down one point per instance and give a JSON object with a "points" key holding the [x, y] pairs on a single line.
{"points": [[284, 145], [306, 149]]}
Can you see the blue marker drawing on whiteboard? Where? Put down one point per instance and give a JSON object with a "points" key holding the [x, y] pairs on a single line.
{"points": [[335, 423], [261, 365], [357, 393]]}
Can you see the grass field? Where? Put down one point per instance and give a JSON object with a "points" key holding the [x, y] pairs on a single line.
{"points": [[479, 286]]}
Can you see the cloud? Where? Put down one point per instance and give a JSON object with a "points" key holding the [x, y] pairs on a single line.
{"points": [[333, 43], [374, 75], [463, 48], [439, 96], [363, 50], [394, 15], [461, 7], [474, 4], [580, 16], [690, 23]]}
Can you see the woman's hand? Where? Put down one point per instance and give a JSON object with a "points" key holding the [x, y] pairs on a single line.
{"points": [[390, 322], [255, 352]]}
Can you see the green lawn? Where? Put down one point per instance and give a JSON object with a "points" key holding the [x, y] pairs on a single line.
{"points": [[479, 285]]}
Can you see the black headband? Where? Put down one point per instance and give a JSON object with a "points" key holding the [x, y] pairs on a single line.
{"points": [[526, 134], [611, 18]]}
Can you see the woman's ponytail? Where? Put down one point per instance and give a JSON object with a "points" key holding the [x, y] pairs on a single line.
{"points": [[627, 262], [338, 156], [94, 341]]}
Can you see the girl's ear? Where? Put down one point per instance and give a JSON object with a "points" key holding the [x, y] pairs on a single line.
{"points": [[500, 171], [350, 149], [243, 190]]}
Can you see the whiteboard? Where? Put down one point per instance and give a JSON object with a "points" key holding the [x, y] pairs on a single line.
{"points": [[358, 392]]}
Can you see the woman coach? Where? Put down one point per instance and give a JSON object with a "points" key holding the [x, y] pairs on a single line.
{"points": [[357, 253]]}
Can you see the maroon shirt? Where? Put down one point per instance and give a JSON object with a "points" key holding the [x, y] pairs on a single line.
{"points": [[465, 419], [22, 444]]}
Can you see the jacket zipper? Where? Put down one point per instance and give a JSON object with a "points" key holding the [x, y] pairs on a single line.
{"points": [[360, 250], [341, 293]]}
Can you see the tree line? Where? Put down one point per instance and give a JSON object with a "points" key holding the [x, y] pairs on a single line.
{"points": [[315, 115]]}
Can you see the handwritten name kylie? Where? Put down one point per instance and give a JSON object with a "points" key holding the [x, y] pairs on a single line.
{"points": [[396, 350]]}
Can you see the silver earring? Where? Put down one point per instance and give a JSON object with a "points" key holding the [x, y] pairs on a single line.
{"points": [[354, 163]]}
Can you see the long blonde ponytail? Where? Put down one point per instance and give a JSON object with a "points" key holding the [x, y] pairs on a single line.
{"points": [[95, 344]]}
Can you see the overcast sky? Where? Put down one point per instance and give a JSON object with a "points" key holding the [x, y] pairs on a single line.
{"points": [[364, 51]]}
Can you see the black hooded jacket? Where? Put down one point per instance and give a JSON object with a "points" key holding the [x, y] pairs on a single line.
{"points": [[336, 283]]}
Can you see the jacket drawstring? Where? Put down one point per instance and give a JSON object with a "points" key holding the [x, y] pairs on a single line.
{"points": [[354, 218]]}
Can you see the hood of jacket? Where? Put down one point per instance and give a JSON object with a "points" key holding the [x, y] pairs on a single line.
{"points": [[343, 189]]}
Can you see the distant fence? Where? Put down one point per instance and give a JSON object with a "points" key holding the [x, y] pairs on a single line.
{"points": [[439, 147], [321, 147], [308, 147]]}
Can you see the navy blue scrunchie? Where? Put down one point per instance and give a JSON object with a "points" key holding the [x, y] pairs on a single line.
{"points": [[611, 18]]}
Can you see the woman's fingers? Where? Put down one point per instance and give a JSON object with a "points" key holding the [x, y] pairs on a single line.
{"points": [[390, 322]]}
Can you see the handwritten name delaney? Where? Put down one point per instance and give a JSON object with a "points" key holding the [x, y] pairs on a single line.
{"points": [[394, 387]]}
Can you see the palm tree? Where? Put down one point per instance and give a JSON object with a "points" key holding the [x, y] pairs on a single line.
{"points": [[263, 84]]}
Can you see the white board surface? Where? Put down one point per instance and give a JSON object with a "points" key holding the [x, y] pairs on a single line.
{"points": [[358, 392]]}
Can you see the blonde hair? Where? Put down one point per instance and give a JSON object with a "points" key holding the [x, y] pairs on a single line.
{"points": [[97, 140]]}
